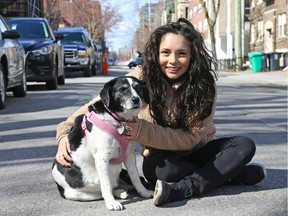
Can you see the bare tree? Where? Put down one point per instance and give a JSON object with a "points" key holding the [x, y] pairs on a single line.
{"points": [[53, 13], [215, 6], [96, 18]]}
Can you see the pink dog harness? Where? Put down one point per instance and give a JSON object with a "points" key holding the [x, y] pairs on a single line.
{"points": [[109, 129]]}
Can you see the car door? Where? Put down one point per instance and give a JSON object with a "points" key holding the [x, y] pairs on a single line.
{"points": [[57, 44], [12, 49]]}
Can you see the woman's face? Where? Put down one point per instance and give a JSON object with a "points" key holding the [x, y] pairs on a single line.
{"points": [[174, 55]]}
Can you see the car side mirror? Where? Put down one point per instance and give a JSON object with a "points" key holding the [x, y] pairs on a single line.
{"points": [[60, 36], [11, 34]]}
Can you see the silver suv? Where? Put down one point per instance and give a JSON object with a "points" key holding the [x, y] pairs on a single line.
{"points": [[12, 64], [79, 50]]}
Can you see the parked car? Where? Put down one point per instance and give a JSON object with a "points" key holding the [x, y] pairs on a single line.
{"points": [[44, 51], [12, 64], [135, 62], [99, 58], [79, 50], [111, 62]]}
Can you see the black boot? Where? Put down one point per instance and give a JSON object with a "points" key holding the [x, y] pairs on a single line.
{"points": [[171, 191], [251, 174]]}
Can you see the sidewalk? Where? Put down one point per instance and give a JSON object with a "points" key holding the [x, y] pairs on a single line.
{"points": [[274, 78]]}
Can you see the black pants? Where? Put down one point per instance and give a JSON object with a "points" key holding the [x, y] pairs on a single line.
{"points": [[207, 168]]}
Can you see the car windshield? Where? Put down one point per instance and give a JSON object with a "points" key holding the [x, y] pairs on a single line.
{"points": [[30, 28], [74, 38]]}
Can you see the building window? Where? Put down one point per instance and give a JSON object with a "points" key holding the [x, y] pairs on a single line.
{"points": [[252, 33], [186, 12], [200, 28], [199, 8], [194, 11], [205, 25], [281, 25], [260, 30], [252, 3], [269, 2], [190, 13]]}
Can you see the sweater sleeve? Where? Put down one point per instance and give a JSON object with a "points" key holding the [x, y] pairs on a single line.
{"points": [[165, 138], [64, 127]]}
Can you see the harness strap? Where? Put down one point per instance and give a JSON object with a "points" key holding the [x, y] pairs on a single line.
{"points": [[109, 129]]}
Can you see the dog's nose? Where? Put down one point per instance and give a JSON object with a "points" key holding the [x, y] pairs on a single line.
{"points": [[135, 100]]}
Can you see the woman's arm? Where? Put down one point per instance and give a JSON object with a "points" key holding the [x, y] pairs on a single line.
{"points": [[165, 138], [64, 127]]}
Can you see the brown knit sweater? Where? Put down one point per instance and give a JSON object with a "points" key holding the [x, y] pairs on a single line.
{"points": [[154, 137]]}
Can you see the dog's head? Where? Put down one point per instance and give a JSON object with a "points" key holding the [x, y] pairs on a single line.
{"points": [[124, 95]]}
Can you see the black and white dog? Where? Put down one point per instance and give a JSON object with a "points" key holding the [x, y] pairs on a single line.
{"points": [[98, 149]]}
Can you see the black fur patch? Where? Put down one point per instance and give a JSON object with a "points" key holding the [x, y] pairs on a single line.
{"points": [[76, 134], [73, 175]]}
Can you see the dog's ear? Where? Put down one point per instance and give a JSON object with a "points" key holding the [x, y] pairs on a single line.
{"points": [[104, 95], [145, 91], [105, 92]]}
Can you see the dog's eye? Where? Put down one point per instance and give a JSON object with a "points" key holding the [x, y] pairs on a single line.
{"points": [[123, 88], [138, 88]]}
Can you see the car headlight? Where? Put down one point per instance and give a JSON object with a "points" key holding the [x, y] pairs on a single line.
{"points": [[43, 51], [82, 54]]}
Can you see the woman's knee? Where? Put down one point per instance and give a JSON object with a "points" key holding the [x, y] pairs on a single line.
{"points": [[167, 167], [149, 167], [245, 146]]}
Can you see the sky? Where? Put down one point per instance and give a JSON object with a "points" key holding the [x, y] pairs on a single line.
{"points": [[122, 34]]}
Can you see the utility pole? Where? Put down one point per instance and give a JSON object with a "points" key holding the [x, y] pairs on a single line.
{"points": [[238, 35]]}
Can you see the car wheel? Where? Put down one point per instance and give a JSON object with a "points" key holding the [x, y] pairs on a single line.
{"points": [[94, 69], [87, 71], [2, 88], [21, 90], [130, 66], [52, 84], [61, 79]]}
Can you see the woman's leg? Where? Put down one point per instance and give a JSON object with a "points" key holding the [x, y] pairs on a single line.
{"points": [[219, 161], [166, 166], [230, 156], [218, 156]]}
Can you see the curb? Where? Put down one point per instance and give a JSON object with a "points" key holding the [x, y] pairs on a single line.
{"points": [[276, 78]]}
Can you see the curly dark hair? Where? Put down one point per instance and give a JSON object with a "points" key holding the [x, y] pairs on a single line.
{"points": [[197, 91]]}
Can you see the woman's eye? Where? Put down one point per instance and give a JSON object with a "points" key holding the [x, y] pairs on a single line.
{"points": [[183, 53]]}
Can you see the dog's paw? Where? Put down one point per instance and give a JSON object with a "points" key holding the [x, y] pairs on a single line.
{"points": [[114, 206], [120, 193], [146, 193]]}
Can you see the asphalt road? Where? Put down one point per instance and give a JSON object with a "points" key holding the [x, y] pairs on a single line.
{"points": [[27, 149]]}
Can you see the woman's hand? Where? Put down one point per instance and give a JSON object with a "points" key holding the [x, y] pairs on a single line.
{"points": [[132, 128], [63, 153]]}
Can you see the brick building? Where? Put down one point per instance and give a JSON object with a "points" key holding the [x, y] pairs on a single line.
{"points": [[21, 8], [268, 26]]}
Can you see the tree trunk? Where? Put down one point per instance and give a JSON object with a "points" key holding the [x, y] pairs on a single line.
{"points": [[213, 44]]}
